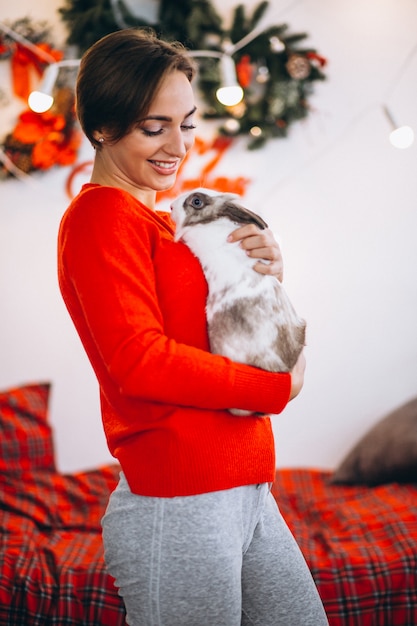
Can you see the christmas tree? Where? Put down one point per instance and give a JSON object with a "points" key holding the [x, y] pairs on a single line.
{"points": [[273, 67]]}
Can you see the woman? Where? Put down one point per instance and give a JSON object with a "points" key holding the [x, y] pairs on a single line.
{"points": [[191, 534]]}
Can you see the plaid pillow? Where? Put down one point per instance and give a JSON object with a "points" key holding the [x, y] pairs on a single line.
{"points": [[53, 500], [25, 435]]}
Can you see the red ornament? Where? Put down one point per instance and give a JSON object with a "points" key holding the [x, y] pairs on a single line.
{"points": [[244, 71], [320, 60]]}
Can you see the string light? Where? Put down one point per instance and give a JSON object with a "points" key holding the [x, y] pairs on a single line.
{"points": [[42, 99], [230, 93], [401, 137]]}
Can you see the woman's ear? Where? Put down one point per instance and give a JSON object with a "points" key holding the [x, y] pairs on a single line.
{"points": [[98, 138], [97, 134]]}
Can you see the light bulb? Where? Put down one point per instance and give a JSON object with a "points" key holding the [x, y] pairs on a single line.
{"points": [[229, 96], [40, 102], [255, 131], [276, 44], [230, 92], [42, 99], [402, 137]]}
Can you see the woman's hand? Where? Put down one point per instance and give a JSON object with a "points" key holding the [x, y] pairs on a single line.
{"points": [[297, 376], [260, 244]]}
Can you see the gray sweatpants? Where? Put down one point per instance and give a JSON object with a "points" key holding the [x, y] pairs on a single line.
{"points": [[224, 558]]}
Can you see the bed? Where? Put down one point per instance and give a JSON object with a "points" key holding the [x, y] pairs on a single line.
{"points": [[359, 541]]}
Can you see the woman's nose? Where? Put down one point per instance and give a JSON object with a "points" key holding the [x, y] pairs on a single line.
{"points": [[178, 145]]}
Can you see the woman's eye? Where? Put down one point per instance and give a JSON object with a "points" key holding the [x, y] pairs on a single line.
{"points": [[152, 133]]}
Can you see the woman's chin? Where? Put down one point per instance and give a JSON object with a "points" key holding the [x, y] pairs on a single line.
{"points": [[167, 184]]}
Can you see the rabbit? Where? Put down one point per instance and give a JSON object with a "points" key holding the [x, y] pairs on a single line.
{"points": [[250, 318]]}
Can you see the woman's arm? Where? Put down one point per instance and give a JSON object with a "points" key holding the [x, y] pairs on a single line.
{"points": [[261, 244], [108, 283]]}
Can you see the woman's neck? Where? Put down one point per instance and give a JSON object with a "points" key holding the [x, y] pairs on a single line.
{"points": [[100, 176]]}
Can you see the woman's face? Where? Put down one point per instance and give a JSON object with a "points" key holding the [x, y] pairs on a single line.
{"points": [[147, 158]]}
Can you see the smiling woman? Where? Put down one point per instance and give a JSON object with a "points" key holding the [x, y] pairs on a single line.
{"points": [[138, 132], [194, 478], [146, 159]]}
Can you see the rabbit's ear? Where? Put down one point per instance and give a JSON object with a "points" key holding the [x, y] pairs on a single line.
{"points": [[238, 213]]}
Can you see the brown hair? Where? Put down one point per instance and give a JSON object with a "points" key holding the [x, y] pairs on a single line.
{"points": [[119, 77]]}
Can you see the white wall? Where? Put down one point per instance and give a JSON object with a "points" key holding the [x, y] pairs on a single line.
{"points": [[343, 202]]}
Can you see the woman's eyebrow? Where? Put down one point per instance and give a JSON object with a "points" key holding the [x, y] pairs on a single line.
{"points": [[164, 118]]}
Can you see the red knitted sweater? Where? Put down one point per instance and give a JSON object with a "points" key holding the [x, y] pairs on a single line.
{"points": [[137, 300]]}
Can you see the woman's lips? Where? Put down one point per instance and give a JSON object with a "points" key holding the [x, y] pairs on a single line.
{"points": [[165, 167]]}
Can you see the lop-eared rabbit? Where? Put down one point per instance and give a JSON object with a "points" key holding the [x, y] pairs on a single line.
{"points": [[249, 315]]}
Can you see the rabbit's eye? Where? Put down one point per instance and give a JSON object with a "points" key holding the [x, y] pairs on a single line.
{"points": [[196, 202]]}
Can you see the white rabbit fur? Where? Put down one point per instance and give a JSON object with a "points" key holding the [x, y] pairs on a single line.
{"points": [[249, 315]]}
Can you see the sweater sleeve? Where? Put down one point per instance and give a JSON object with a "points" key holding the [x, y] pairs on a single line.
{"points": [[107, 279]]}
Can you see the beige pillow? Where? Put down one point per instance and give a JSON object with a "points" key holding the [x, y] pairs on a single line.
{"points": [[386, 453]]}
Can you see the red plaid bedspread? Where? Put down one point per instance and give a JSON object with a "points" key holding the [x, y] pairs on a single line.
{"points": [[51, 558], [360, 544]]}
